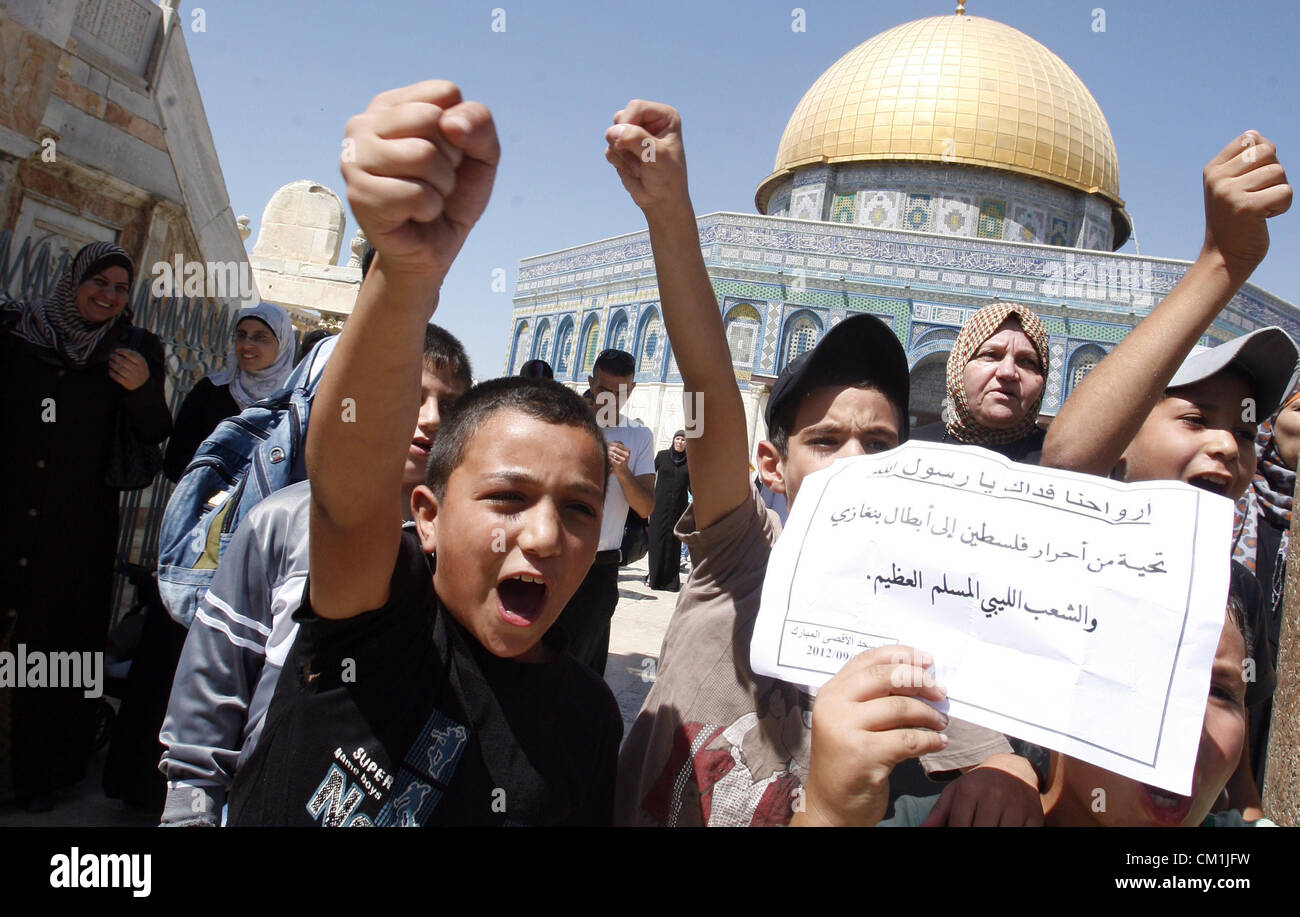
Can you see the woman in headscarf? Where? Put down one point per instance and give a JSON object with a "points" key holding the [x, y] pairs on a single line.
{"points": [[66, 370], [996, 377], [1261, 523], [260, 358], [672, 481]]}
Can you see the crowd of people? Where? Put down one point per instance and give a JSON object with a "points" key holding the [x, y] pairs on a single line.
{"points": [[417, 633]]}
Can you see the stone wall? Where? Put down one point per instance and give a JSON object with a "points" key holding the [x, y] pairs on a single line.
{"points": [[87, 149]]}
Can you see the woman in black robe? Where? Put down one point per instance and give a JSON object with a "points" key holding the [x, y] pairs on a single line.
{"points": [[672, 482], [68, 365]]}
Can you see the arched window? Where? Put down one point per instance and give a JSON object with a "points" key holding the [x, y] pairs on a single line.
{"points": [[590, 344], [618, 332], [743, 323], [650, 347], [1083, 363], [518, 352], [564, 349], [801, 337], [542, 344]]}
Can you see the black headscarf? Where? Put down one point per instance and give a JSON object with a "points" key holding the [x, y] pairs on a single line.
{"points": [[678, 457]]}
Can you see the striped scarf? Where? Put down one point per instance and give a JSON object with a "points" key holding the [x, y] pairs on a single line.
{"points": [[53, 324], [962, 424], [1269, 495]]}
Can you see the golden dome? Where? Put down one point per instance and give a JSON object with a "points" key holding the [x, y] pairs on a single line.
{"points": [[953, 89]]}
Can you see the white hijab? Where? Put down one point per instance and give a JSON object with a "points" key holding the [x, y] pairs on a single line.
{"points": [[249, 387]]}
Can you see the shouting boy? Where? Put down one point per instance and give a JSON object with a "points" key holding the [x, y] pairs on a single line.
{"points": [[412, 698], [1152, 412], [244, 628], [716, 744]]}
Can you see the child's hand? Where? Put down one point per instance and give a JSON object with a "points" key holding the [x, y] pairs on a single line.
{"points": [[645, 146], [1001, 792], [419, 165], [1244, 186], [866, 720]]}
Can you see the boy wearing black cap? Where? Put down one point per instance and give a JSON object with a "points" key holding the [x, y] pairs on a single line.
{"points": [[716, 744]]}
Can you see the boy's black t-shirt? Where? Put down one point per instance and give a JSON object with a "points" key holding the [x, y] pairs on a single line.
{"points": [[399, 717]]}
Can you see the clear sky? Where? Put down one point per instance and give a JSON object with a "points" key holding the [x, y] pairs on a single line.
{"points": [[1176, 79]]}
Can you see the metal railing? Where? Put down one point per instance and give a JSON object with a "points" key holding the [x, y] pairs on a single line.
{"points": [[195, 334]]}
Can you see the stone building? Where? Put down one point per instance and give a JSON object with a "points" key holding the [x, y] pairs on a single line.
{"points": [[103, 136], [294, 258], [937, 167]]}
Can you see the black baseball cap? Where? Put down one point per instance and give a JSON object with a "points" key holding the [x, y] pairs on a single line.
{"points": [[861, 347]]}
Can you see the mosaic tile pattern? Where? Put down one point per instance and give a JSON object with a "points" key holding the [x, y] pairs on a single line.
{"points": [[919, 213], [806, 203], [880, 209], [1029, 224], [1059, 233], [590, 345], [842, 208], [957, 216], [880, 188], [750, 250], [991, 216], [769, 338]]}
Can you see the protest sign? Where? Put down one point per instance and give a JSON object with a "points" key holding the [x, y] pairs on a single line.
{"points": [[1074, 612]]}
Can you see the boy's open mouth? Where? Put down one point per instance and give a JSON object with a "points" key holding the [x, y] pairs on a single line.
{"points": [[1214, 483], [1167, 808], [521, 599]]}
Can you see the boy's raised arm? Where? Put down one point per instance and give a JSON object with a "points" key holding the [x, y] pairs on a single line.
{"points": [[1244, 186], [645, 146], [419, 166]]}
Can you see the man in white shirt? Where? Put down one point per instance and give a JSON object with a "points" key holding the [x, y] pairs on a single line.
{"points": [[586, 619]]}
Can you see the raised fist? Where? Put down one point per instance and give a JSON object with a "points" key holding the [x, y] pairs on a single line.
{"points": [[645, 146], [1244, 186], [419, 165]]}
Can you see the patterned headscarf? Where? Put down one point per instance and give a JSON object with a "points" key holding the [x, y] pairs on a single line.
{"points": [[962, 424], [54, 325], [249, 387], [1269, 495]]}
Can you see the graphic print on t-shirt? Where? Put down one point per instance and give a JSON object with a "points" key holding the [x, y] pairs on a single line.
{"points": [[425, 774]]}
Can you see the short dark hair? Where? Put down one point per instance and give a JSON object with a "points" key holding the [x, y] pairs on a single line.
{"points": [[543, 399], [310, 340], [367, 256], [536, 369], [1240, 584], [778, 434], [443, 351], [615, 362]]}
